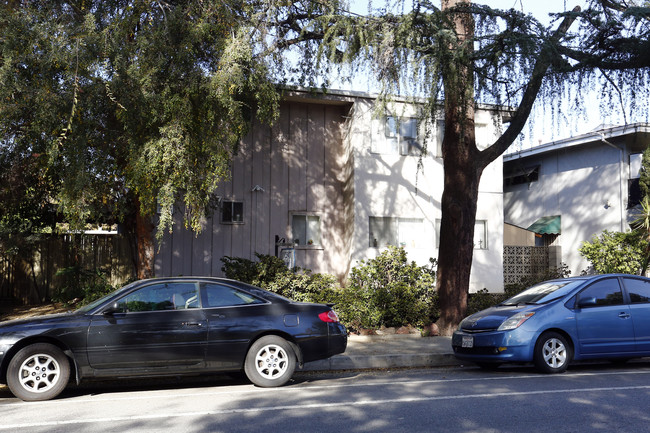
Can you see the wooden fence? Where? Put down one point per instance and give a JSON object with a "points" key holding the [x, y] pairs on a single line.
{"points": [[60, 262]]}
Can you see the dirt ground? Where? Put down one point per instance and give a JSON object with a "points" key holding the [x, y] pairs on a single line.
{"points": [[14, 312]]}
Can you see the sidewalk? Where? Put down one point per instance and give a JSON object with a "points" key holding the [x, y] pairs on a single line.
{"points": [[389, 351]]}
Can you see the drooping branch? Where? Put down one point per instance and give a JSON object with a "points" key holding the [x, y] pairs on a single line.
{"points": [[521, 114]]}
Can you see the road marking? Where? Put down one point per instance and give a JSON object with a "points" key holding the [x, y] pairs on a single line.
{"points": [[321, 406], [250, 389]]}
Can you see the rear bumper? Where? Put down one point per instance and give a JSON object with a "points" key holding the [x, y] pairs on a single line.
{"points": [[338, 339]]}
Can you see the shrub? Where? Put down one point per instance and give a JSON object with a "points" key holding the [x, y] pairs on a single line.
{"points": [[389, 291], [270, 273], [615, 252], [386, 291], [82, 286], [483, 299]]}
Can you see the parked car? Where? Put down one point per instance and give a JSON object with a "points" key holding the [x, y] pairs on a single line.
{"points": [[169, 326], [555, 322]]}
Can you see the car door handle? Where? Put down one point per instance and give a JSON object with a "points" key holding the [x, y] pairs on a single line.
{"points": [[192, 324], [624, 315]]}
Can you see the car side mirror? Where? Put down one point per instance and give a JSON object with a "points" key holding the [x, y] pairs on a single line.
{"points": [[587, 302], [115, 308]]}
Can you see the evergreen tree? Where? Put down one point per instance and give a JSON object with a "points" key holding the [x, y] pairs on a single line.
{"points": [[123, 105], [465, 53]]}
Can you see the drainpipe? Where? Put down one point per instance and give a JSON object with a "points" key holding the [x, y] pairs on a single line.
{"points": [[620, 183]]}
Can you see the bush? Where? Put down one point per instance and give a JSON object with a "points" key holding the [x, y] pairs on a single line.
{"points": [[386, 291], [615, 252], [482, 299], [389, 291], [82, 286], [270, 273]]}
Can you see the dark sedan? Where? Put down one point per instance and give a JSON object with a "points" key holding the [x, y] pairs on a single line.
{"points": [[168, 326]]}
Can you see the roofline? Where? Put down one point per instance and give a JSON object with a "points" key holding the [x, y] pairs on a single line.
{"points": [[596, 135], [334, 96]]}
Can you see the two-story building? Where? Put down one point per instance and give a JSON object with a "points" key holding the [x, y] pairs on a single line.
{"points": [[333, 182], [567, 191]]}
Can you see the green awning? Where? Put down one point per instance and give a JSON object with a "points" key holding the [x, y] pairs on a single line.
{"points": [[547, 225]]}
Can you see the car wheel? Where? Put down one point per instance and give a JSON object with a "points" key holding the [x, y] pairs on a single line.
{"points": [[270, 362], [552, 353], [38, 372]]}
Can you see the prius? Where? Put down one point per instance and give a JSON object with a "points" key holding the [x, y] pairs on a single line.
{"points": [[555, 322]]}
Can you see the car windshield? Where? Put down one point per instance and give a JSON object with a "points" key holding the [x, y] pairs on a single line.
{"points": [[544, 292]]}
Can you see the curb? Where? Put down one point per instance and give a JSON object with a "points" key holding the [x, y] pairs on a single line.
{"points": [[389, 351], [368, 362]]}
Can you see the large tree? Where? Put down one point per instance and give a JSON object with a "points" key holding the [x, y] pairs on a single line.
{"points": [[112, 107], [464, 54]]}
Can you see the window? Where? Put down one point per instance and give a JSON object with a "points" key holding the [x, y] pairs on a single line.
{"points": [[521, 177], [480, 234], [217, 295], [639, 290], [605, 292], [164, 296], [634, 182], [305, 230], [400, 137], [404, 232], [232, 212]]}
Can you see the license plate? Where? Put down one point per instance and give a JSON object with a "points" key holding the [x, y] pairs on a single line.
{"points": [[467, 342]]}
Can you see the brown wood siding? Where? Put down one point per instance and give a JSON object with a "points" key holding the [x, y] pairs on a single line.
{"points": [[302, 164]]}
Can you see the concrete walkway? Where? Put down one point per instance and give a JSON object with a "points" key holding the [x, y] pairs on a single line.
{"points": [[389, 351]]}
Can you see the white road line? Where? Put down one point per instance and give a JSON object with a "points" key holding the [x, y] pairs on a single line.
{"points": [[321, 406], [250, 389]]}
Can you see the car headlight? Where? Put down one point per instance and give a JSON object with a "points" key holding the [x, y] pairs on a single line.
{"points": [[515, 321]]}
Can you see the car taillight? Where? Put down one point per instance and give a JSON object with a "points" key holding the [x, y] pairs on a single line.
{"points": [[329, 316]]}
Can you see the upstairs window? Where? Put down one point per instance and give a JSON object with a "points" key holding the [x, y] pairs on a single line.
{"points": [[400, 137], [524, 176]]}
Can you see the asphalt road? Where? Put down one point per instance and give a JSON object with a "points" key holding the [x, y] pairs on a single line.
{"points": [[588, 398]]}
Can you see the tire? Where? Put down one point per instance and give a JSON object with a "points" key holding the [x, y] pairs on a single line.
{"points": [[38, 372], [270, 362], [553, 353]]}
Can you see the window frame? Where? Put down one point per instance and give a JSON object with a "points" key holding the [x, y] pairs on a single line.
{"points": [[316, 242], [396, 232], [232, 203], [394, 140]]}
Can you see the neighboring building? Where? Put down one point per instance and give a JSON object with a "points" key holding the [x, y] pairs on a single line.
{"points": [[331, 184], [569, 190]]}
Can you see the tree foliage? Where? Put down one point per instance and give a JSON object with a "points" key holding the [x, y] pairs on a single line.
{"points": [[467, 53], [118, 106], [614, 252]]}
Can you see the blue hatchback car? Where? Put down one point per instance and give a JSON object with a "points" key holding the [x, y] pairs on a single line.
{"points": [[557, 321]]}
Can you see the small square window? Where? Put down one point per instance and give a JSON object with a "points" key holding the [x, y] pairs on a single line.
{"points": [[400, 137], [305, 230], [232, 212]]}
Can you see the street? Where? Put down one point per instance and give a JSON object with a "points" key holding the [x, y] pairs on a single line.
{"points": [[592, 397]]}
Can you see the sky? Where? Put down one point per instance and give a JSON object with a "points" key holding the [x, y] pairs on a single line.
{"points": [[544, 126]]}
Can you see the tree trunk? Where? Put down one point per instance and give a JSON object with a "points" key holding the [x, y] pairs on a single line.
{"points": [[464, 163], [145, 246], [139, 230], [462, 173]]}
